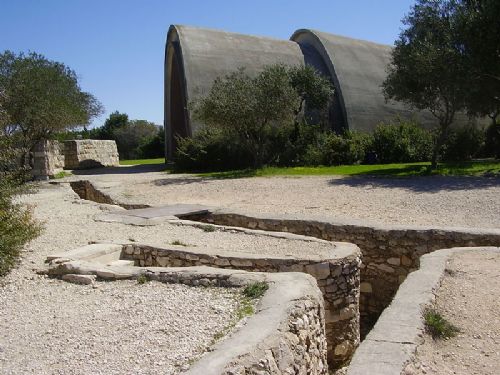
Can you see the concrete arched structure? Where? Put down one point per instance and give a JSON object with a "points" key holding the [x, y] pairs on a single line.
{"points": [[195, 57], [357, 68]]}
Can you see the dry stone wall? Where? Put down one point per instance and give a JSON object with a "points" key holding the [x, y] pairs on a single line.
{"points": [[389, 252], [90, 153], [51, 157], [48, 159], [286, 335], [338, 280]]}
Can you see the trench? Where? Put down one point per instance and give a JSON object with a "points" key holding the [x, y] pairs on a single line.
{"points": [[389, 254], [86, 190]]}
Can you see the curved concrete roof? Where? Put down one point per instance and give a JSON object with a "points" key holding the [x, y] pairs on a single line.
{"points": [[357, 68], [195, 57], [207, 54]]}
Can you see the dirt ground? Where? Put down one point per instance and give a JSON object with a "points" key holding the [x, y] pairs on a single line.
{"points": [[469, 298]]}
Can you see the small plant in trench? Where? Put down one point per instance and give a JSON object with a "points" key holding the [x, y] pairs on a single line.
{"points": [[142, 279], [246, 307], [255, 290], [207, 228], [437, 326], [179, 243]]}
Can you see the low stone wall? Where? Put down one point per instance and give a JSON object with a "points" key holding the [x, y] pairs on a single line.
{"points": [[90, 153], [392, 342], [286, 335], [337, 278], [48, 159], [51, 157], [389, 252]]}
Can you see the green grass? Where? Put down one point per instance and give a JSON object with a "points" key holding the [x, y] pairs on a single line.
{"points": [[62, 174], [473, 168], [437, 326], [179, 243], [255, 290], [143, 161]]}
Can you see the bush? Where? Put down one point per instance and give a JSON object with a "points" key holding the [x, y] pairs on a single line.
{"points": [[212, 150], [17, 226], [437, 326], [333, 149], [463, 143], [404, 142], [492, 141]]}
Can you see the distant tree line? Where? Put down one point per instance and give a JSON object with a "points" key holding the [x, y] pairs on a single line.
{"points": [[135, 139]]}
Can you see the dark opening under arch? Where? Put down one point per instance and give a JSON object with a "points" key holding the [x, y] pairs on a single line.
{"points": [[176, 120]]}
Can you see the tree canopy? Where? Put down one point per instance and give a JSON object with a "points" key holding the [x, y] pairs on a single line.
{"points": [[41, 97], [252, 106], [446, 60]]}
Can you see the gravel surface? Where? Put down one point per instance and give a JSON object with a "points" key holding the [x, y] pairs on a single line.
{"points": [[469, 297], [436, 201], [52, 327]]}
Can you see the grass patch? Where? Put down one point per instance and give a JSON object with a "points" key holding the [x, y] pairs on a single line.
{"points": [[206, 227], [142, 279], [62, 174], [255, 290], [178, 243], [143, 161], [472, 168], [246, 307], [437, 326]]}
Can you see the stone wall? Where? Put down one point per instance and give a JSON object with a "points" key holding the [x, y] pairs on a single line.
{"points": [[286, 335], [338, 280], [51, 157], [90, 153], [389, 252], [48, 159]]}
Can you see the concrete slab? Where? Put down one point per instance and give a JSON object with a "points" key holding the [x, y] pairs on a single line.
{"points": [[173, 210]]}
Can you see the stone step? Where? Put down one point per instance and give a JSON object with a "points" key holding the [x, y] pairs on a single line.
{"points": [[121, 262], [87, 252]]}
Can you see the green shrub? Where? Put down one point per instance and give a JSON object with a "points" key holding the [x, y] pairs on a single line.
{"points": [[492, 141], [333, 149], [17, 226], [212, 150], [255, 290], [404, 142], [437, 326], [463, 143]]}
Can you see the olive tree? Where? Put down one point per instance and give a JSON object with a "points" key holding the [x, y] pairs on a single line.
{"points": [[41, 97], [252, 107], [427, 70]]}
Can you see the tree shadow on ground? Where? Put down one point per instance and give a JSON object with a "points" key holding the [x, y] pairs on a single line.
{"points": [[420, 184], [125, 169]]}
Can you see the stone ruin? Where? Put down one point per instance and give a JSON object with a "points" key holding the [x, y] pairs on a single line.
{"points": [[51, 157], [371, 271]]}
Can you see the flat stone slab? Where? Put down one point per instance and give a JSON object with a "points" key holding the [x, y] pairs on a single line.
{"points": [[171, 210]]}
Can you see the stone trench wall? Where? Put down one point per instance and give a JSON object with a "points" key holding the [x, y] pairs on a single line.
{"points": [[389, 253], [338, 280]]}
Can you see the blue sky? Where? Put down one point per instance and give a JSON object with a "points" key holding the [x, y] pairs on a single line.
{"points": [[117, 46]]}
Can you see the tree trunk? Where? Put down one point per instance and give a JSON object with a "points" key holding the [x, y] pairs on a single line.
{"points": [[443, 130]]}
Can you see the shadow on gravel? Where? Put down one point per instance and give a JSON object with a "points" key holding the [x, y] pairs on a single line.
{"points": [[125, 169], [428, 184], [181, 181]]}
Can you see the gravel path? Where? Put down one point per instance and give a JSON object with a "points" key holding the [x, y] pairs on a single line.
{"points": [[469, 297], [436, 201], [52, 327]]}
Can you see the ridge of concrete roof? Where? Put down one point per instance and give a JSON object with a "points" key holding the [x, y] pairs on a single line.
{"points": [[339, 37]]}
